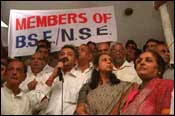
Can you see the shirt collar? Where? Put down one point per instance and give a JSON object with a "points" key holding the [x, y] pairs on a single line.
{"points": [[125, 64], [76, 68], [11, 92]]}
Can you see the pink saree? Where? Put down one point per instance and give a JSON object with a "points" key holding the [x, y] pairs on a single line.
{"points": [[154, 97]]}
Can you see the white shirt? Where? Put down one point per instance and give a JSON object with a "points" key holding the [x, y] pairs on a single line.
{"points": [[47, 68], [73, 81], [21, 104], [169, 73], [41, 78], [127, 73]]}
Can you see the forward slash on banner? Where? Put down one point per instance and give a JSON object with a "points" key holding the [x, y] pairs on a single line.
{"points": [[58, 36]]}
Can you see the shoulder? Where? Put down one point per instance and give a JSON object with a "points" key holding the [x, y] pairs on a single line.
{"points": [[86, 86], [125, 85], [165, 84]]}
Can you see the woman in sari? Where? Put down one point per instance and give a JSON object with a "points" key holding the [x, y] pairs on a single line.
{"points": [[153, 96], [99, 95]]}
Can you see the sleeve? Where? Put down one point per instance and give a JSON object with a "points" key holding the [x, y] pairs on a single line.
{"points": [[165, 88], [38, 98], [83, 93], [24, 85]]}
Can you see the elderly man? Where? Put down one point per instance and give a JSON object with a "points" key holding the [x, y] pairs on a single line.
{"points": [[37, 77], [13, 100], [123, 70]]}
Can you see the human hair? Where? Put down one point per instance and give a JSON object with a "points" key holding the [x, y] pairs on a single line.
{"points": [[150, 40], [90, 42], [137, 53], [47, 43], [160, 62], [73, 48], [130, 42], [42, 46], [14, 60], [117, 43], [95, 77], [162, 43]]}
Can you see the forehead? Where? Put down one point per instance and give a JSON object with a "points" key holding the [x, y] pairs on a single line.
{"points": [[43, 49], [146, 54], [83, 46], [118, 46], [131, 44], [16, 64], [37, 55], [162, 46], [91, 45], [151, 43], [69, 50], [104, 56], [103, 45]]}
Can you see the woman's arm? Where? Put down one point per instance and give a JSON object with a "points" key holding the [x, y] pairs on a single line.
{"points": [[80, 110]]}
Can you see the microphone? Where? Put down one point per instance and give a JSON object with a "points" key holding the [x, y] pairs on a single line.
{"points": [[59, 69]]}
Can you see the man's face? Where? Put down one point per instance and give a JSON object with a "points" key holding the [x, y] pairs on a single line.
{"points": [[130, 54], [44, 52], [164, 52], [37, 63], [15, 73], [103, 48], [118, 54], [84, 53], [131, 46], [70, 55], [150, 46]]}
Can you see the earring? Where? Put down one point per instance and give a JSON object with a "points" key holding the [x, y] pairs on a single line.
{"points": [[159, 73]]}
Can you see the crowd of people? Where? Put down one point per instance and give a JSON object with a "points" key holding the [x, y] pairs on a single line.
{"points": [[106, 78]]}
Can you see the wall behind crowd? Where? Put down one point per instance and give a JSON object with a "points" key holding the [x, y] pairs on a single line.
{"points": [[144, 23]]}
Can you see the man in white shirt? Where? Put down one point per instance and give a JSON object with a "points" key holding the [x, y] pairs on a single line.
{"points": [[74, 78], [38, 75], [123, 70], [13, 100]]}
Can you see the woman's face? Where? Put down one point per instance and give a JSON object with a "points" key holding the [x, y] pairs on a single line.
{"points": [[146, 66], [105, 63]]}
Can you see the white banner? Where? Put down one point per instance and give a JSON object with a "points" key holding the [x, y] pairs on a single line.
{"points": [[60, 27]]}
